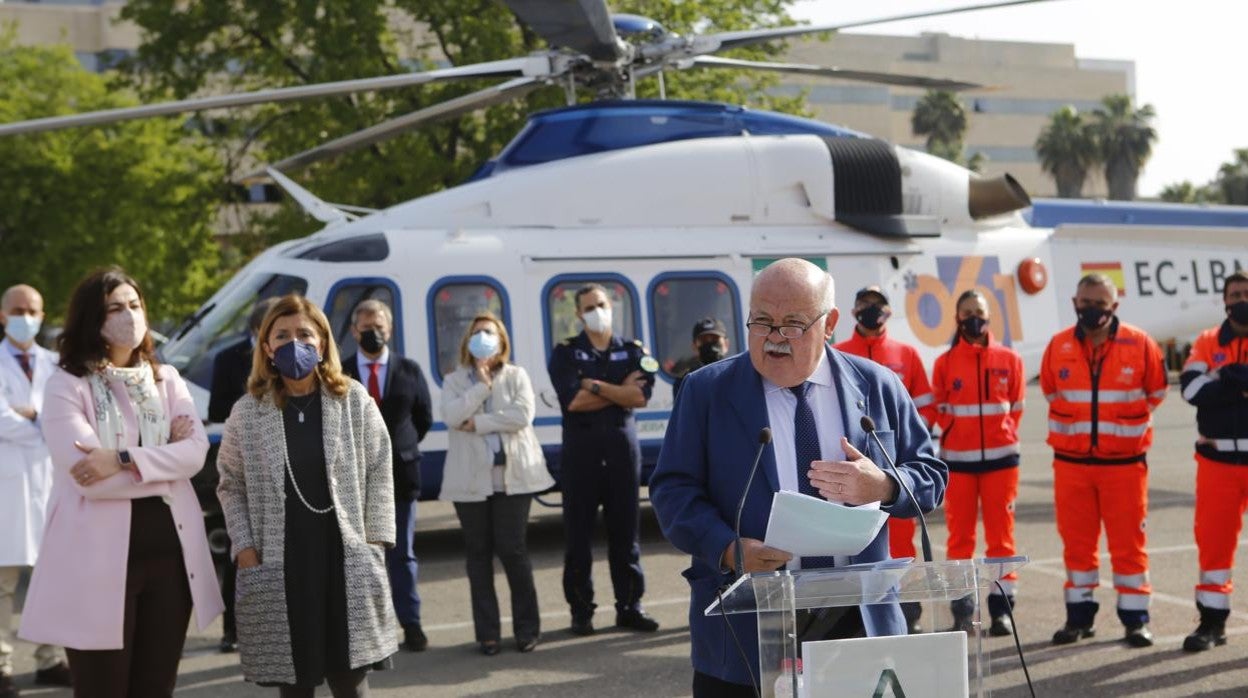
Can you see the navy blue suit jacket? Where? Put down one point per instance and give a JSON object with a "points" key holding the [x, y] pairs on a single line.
{"points": [[707, 452]]}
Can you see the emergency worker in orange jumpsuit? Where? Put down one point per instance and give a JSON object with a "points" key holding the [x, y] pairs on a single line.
{"points": [[1102, 378], [979, 387], [870, 340], [1215, 380]]}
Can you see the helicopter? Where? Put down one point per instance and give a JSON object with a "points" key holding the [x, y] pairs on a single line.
{"points": [[673, 206]]}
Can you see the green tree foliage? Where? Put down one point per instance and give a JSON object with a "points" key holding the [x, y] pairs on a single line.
{"points": [[940, 116], [1187, 193], [1068, 149], [213, 46], [1232, 181], [141, 194], [1125, 136]]}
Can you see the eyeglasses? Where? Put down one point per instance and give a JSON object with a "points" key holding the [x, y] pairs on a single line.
{"points": [[763, 329]]}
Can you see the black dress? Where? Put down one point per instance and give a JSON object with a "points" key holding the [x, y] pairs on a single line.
{"points": [[316, 589]]}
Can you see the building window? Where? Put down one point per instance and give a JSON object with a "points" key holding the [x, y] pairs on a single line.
{"points": [[679, 300], [453, 302], [560, 304], [347, 294]]}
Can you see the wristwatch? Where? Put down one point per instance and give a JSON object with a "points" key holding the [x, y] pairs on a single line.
{"points": [[595, 387], [124, 460]]}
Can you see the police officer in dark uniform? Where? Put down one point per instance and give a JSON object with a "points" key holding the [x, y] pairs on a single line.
{"points": [[600, 380], [710, 344]]}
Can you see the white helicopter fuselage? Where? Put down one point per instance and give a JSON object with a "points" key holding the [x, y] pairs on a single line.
{"points": [[665, 225]]}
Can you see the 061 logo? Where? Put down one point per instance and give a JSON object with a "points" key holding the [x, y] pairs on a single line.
{"points": [[931, 300]]}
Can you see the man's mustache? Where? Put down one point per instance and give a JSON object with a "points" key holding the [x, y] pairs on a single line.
{"points": [[779, 348]]}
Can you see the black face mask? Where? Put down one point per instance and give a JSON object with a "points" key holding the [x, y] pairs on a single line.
{"points": [[710, 352], [1238, 312], [1092, 319], [370, 341], [973, 327], [871, 317]]}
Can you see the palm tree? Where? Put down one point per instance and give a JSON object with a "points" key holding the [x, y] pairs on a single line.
{"points": [[1232, 180], [1067, 148], [1126, 139], [942, 118]]}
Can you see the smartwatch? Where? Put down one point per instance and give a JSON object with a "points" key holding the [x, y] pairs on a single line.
{"points": [[123, 457], [595, 387]]}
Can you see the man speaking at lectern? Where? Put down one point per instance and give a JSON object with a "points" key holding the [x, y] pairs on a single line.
{"points": [[813, 398]]}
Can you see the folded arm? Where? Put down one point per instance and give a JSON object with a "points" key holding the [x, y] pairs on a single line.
{"points": [[513, 416]]}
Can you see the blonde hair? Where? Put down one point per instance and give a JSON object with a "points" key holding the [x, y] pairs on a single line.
{"points": [[467, 360], [265, 378]]}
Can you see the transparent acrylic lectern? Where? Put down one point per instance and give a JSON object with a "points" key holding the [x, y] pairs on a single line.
{"points": [[777, 596]]}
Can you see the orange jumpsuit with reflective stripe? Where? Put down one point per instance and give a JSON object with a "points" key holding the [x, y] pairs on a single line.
{"points": [[979, 400], [904, 360], [1221, 401], [1100, 427]]}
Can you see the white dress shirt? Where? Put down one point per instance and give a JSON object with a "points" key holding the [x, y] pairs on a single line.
{"points": [[384, 360], [781, 407]]}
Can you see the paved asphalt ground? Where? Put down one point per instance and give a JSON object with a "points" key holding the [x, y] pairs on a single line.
{"points": [[616, 663]]}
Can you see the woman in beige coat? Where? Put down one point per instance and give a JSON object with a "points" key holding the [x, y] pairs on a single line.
{"points": [[494, 465], [308, 498]]}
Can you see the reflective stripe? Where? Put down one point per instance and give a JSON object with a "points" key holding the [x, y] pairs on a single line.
{"points": [[981, 454], [1017, 407], [1198, 366], [924, 400], [1009, 586], [1079, 594], [1090, 578], [1105, 428], [1228, 444], [1213, 599], [1105, 396], [1133, 602], [1158, 395], [1052, 396], [1195, 386], [988, 408], [1131, 581], [1218, 577]]}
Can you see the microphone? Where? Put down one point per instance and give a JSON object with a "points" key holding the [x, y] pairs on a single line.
{"points": [[764, 438], [868, 425]]}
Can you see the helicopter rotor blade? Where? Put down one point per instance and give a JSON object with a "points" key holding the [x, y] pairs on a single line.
{"points": [[451, 108], [898, 79], [581, 25], [533, 66], [736, 39]]}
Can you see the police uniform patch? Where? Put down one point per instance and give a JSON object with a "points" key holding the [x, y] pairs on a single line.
{"points": [[649, 364]]}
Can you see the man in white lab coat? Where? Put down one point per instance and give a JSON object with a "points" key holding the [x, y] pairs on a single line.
{"points": [[25, 471]]}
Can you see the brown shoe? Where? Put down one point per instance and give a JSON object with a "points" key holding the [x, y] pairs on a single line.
{"points": [[55, 675]]}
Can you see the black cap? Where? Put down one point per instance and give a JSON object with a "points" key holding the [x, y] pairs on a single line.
{"points": [[708, 325], [871, 291]]}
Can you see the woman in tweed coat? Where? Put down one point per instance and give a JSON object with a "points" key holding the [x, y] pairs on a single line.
{"points": [[308, 498]]}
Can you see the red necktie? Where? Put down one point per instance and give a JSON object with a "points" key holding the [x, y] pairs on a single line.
{"points": [[374, 385], [24, 360]]}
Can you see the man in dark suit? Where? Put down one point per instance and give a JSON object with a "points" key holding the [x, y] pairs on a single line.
{"points": [[230, 369], [398, 386], [813, 398]]}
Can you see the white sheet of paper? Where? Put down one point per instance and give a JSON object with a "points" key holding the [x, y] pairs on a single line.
{"points": [[809, 526]]}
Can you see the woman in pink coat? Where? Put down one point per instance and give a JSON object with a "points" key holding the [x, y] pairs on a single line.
{"points": [[124, 557]]}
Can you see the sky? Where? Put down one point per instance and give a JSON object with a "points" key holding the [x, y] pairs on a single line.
{"points": [[1188, 61]]}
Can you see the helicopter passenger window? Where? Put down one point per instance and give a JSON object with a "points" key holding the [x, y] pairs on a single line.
{"points": [[344, 296], [453, 304], [561, 307], [680, 300]]}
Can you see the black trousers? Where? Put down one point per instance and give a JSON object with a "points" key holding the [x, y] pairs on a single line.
{"points": [[601, 468], [498, 527], [346, 684], [157, 611]]}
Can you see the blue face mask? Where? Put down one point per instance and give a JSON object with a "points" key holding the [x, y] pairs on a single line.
{"points": [[295, 359], [22, 328], [483, 345]]}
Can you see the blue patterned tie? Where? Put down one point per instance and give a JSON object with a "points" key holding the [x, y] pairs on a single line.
{"points": [[806, 447]]}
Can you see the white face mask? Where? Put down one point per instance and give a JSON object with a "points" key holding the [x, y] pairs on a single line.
{"points": [[22, 328], [597, 320], [125, 329]]}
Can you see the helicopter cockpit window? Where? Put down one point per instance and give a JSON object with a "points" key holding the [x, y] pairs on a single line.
{"points": [[343, 299], [561, 308], [680, 300], [196, 343], [454, 304]]}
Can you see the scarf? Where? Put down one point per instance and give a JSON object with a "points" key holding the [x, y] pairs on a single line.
{"points": [[140, 385]]}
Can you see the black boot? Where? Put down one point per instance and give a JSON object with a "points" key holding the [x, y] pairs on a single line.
{"points": [[1079, 618], [1211, 632]]}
